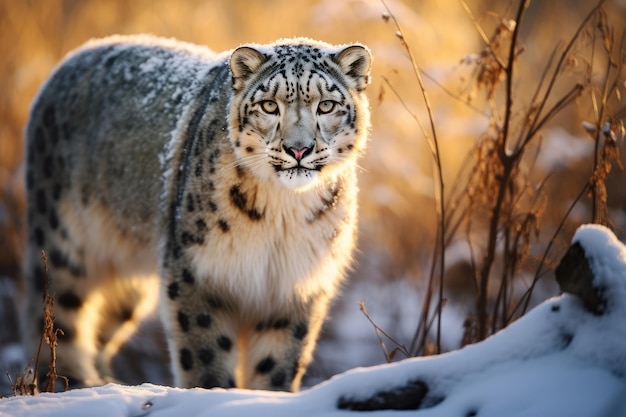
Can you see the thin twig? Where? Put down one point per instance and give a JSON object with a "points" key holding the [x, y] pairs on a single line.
{"points": [[508, 109], [482, 34], [399, 346], [439, 189], [562, 59], [406, 107], [567, 99], [451, 94], [532, 112], [526, 297], [508, 164], [596, 216]]}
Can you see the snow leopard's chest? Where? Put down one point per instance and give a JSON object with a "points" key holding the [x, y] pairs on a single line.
{"points": [[259, 241]]}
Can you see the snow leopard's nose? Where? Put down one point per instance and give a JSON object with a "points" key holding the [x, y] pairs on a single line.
{"points": [[298, 154]]}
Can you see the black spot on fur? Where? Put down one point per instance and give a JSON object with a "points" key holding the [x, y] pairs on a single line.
{"points": [[204, 320], [278, 379], [40, 141], [328, 203], [280, 323], [76, 270], [249, 149], [174, 249], [190, 203], [48, 166], [188, 239], [215, 302], [215, 155], [49, 118], [126, 314], [225, 343], [186, 359], [201, 226], [238, 198], [40, 237], [266, 365], [206, 356], [183, 321], [41, 201], [108, 63], [39, 278], [300, 331], [188, 276], [56, 191], [212, 206], [57, 259], [223, 225], [209, 381], [173, 290], [254, 214], [198, 171], [70, 300], [53, 219]]}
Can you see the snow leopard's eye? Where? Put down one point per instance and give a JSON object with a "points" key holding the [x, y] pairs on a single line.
{"points": [[326, 106], [269, 106]]}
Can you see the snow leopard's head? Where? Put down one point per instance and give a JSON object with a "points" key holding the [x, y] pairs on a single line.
{"points": [[299, 112]]}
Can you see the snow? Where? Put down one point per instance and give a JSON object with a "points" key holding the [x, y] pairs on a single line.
{"points": [[557, 360]]}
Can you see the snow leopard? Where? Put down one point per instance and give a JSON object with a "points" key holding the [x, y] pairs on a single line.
{"points": [[219, 189]]}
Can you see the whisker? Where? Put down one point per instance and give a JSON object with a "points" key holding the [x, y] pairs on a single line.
{"points": [[257, 158]]}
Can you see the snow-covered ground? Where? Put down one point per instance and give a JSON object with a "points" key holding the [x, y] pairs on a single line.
{"points": [[558, 360]]}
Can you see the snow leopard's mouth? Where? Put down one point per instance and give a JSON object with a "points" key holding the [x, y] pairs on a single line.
{"points": [[297, 177], [298, 170]]}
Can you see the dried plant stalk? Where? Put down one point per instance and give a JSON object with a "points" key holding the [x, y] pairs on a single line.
{"points": [[493, 191]]}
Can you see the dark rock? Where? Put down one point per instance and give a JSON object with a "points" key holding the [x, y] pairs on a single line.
{"points": [[575, 277], [407, 397]]}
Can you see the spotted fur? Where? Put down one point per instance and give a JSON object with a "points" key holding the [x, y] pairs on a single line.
{"points": [[231, 176]]}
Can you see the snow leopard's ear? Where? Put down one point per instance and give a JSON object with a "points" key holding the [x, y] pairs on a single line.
{"points": [[244, 61], [355, 61]]}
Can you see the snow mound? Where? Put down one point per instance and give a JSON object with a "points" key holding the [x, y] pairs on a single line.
{"points": [[564, 358]]}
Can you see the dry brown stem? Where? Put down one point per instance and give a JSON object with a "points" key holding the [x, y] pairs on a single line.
{"points": [[493, 191]]}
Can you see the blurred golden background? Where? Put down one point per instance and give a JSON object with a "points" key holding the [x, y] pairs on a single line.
{"points": [[398, 207]]}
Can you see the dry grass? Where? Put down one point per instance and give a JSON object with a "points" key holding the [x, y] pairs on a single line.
{"points": [[495, 195], [27, 382]]}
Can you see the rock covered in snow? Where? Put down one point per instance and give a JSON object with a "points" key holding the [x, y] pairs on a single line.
{"points": [[593, 269]]}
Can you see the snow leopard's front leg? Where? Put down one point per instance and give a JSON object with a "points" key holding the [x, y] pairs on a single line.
{"points": [[280, 346], [201, 331]]}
